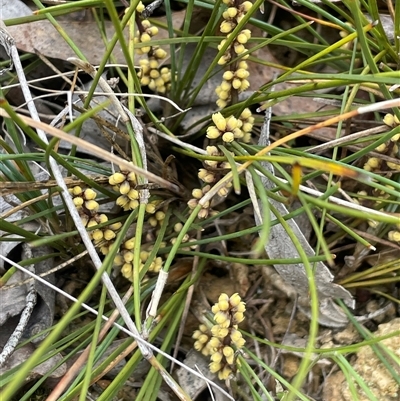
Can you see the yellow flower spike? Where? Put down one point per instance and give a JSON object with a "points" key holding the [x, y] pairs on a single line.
{"points": [[145, 37], [216, 331], [232, 12], [159, 82], [133, 194], [104, 249], [102, 218], [196, 334], [144, 255], [224, 59], [124, 188], [118, 260], [215, 342], [198, 346], [389, 120], [235, 335], [223, 95], [373, 162], [242, 73], [247, 127], [78, 202], [126, 271], [153, 64], [150, 208], [235, 300], [89, 194], [381, 148], [128, 256], [84, 220], [228, 352], [97, 235], [129, 244], [228, 75], [91, 223], [92, 205], [242, 38], [219, 121], [238, 134], [203, 338], [245, 6], [154, 74], [395, 138], [227, 26], [146, 24], [206, 176], [133, 204], [153, 221], [122, 201], [246, 113], [115, 226], [215, 367], [145, 81], [225, 86], [197, 193], [245, 85], [223, 192], [225, 373], [152, 31], [221, 317], [239, 48], [393, 166], [223, 304], [394, 236], [109, 234], [238, 317], [76, 191], [160, 53], [236, 83], [231, 123], [223, 298], [216, 357], [228, 137], [213, 132], [160, 215], [192, 203], [221, 103], [140, 7]]}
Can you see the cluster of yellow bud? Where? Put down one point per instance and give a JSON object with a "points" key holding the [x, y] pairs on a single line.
{"points": [[144, 34], [84, 200], [394, 235], [150, 74], [231, 128], [236, 77], [389, 148], [125, 256], [125, 183], [157, 218], [197, 194], [222, 341], [186, 238]]}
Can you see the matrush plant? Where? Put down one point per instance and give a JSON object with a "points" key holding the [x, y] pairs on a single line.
{"points": [[184, 209]]}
